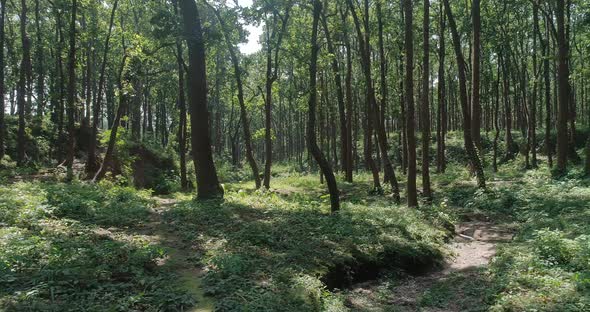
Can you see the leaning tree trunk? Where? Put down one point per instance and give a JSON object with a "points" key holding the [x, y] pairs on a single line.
{"points": [[207, 181], [243, 111], [470, 148], [71, 94], [311, 131], [339, 94], [374, 111], [92, 163]]}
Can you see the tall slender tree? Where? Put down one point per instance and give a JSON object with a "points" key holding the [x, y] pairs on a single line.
{"points": [[23, 85], [71, 93], [563, 89], [442, 105], [311, 130], [182, 120], [2, 38], [207, 181], [475, 75], [92, 163], [245, 121], [425, 110], [275, 32], [412, 192], [474, 160]]}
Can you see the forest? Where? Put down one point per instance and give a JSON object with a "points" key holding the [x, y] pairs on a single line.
{"points": [[295, 155]]}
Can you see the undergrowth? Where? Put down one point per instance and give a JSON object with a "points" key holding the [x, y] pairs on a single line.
{"points": [[54, 256]]}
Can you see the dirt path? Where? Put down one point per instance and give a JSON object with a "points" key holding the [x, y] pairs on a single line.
{"points": [[474, 245], [180, 257]]}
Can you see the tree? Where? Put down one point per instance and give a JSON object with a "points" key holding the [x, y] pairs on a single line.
{"points": [[71, 93], [412, 193], [23, 84], [182, 120], [243, 111], [373, 109], [470, 148], [425, 117], [276, 27], [475, 76], [563, 83], [40, 67], [92, 163], [2, 38], [311, 130], [441, 131], [346, 163], [207, 181]]}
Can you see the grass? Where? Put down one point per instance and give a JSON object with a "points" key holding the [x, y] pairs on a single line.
{"points": [[54, 255], [281, 250]]}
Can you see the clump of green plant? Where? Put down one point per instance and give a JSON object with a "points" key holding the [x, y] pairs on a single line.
{"points": [[106, 203], [282, 250], [52, 257]]}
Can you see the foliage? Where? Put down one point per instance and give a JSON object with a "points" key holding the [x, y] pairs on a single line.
{"points": [[55, 257], [282, 251]]}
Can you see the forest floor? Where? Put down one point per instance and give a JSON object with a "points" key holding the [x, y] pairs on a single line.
{"points": [[452, 288], [521, 244]]}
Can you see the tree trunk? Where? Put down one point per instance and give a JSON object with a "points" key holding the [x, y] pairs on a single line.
{"points": [[123, 98], [412, 193], [23, 83], [311, 132], [425, 116], [339, 94], [40, 68], [349, 108], [207, 182], [470, 148], [563, 82], [475, 67], [92, 164], [72, 94], [182, 122], [373, 111], [243, 111], [442, 105], [2, 38]]}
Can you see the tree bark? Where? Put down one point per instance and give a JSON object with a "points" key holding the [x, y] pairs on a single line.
{"points": [[412, 193], [442, 101], [373, 111], [92, 164], [563, 85], [243, 111], [207, 181], [475, 67], [71, 94], [339, 94], [23, 83], [2, 38], [425, 116], [182, 120], [311, 131], [40, 67], [470, 148]]}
